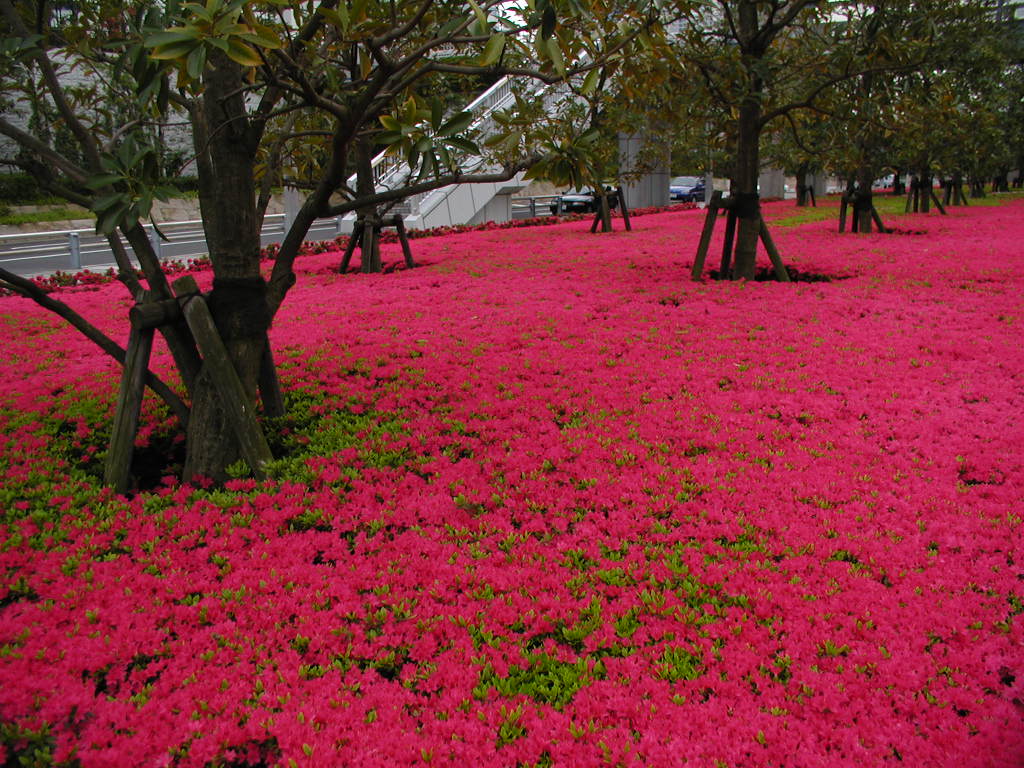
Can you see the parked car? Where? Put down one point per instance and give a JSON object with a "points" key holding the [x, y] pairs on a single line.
{"points": [[580, 202], [688, 189]]}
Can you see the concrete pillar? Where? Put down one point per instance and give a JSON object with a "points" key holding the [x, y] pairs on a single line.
{"points": [[772, 183], [819, 183], [291, 207], [652, 187]]}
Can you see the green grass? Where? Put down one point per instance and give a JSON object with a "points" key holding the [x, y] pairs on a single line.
{"points": [[65, 213], [887, 206]]}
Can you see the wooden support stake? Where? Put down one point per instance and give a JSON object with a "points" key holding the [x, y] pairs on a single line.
{"points": [[843, 204], [117, 471], [357, 233], [233, 400], [730, 236], [705, 235], [625, 210], [878, 219], [366, 248], [377, 266], [153, 314], [935, 199], [404, 241], [810, 191], [781, 274], [910, 196], [270, 385]]}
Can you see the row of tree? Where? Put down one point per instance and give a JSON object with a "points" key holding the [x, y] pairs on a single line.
{"points": [[304, 94]]}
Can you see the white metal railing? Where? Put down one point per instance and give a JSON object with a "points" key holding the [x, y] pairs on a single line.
{"points": [[484, 124]]}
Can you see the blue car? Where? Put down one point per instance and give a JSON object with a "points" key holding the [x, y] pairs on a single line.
{"points": [[687, 189]]}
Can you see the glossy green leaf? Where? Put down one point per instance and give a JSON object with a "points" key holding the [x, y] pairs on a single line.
{"points": [[555, 53], [195, 63], [481, 17], [493, 50], [242, 53], [456, 124], [337, 17], [103, 180], [174, 50], [106, 202], [464, 144], [171, 36]]}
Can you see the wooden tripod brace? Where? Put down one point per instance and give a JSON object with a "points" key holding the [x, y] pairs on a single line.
{"points": [[368, 238], [146, 317], [716, 204]]}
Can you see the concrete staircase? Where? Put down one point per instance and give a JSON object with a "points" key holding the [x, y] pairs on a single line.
{"points": [[456, 203]]}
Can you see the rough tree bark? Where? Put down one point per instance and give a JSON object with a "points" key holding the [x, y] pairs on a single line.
{"points": [[226, 152], [803, 196], [862, 200], [370, 247], [747, 205], [898, 187]]}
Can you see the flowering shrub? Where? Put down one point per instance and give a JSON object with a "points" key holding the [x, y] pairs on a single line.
{"points": [[545, 501]]}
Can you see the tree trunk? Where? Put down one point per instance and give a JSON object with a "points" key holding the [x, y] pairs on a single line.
{"points": [[747, 205], [802, 188], [370, 247], [604, 209], [898, 187], [1002, 183], [227, 196], [862, 201]]}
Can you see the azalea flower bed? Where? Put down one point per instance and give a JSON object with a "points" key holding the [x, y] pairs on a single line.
{"points": [[545, 501]]}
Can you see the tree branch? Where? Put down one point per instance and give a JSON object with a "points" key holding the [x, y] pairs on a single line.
{"points": [[56, 91], [30, 290], [30, 142], [458, 177]]}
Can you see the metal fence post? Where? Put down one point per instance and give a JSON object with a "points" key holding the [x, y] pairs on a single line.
{"points": [[75, 247]]}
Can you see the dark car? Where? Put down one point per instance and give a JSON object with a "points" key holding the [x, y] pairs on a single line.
{"points": [[580, 202], [688, 189]]}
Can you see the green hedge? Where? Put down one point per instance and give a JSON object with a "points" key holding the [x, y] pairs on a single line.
{"points": [[20, 189]]}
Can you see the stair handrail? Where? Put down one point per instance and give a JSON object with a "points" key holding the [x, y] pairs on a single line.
{"points": [[386, 164]]}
